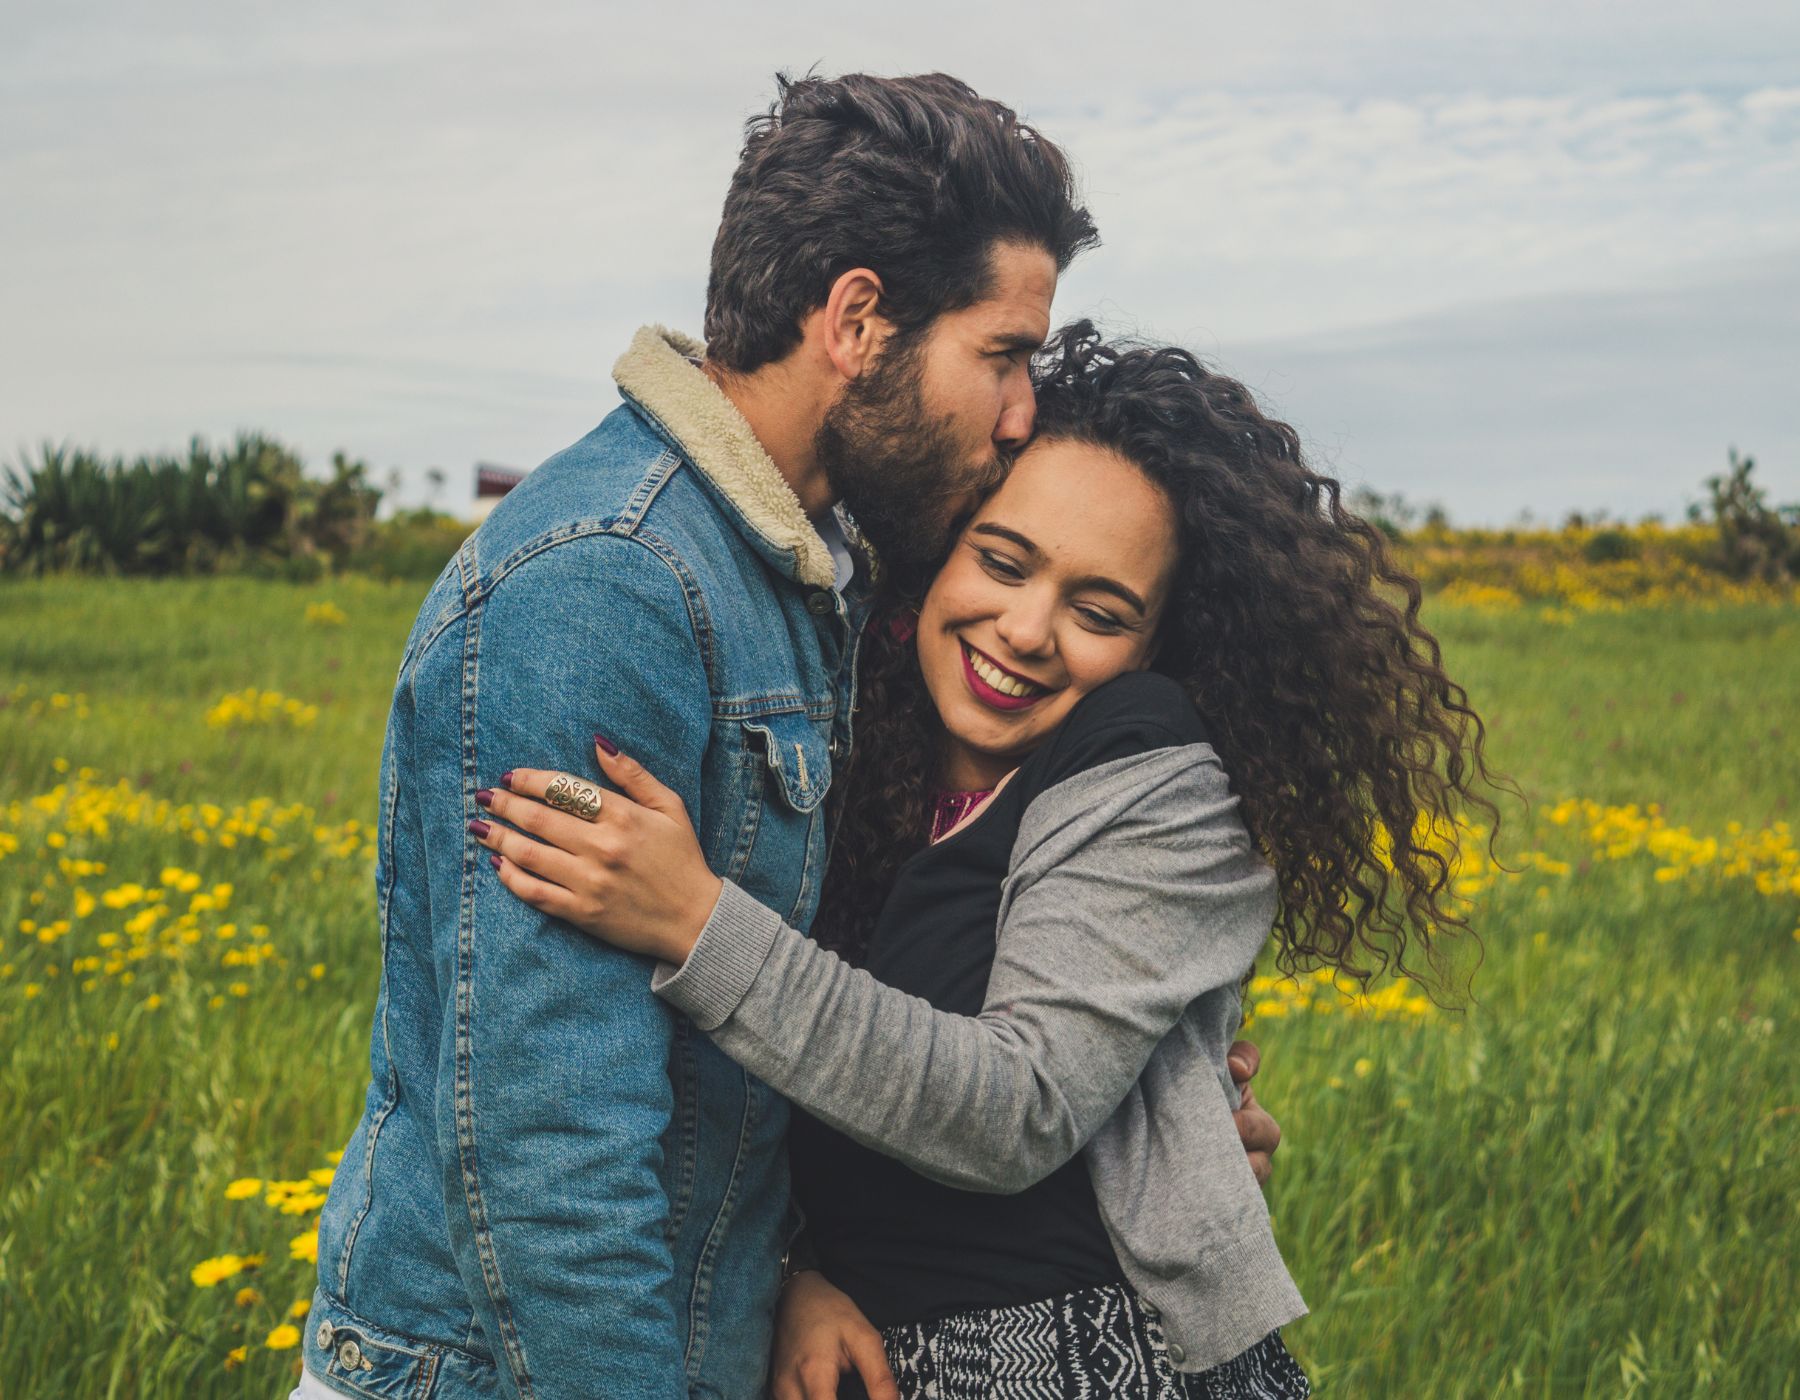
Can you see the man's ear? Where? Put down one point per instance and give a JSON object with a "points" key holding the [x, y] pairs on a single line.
{"points": [[853, 324]]}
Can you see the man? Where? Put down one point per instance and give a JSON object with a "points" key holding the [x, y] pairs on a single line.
{"points": [[559, 1187]]}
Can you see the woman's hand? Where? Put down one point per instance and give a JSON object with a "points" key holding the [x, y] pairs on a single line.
{"points": [[1261, 1134], [635, 876], [820, 1335]]}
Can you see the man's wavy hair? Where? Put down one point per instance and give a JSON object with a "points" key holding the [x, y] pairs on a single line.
{"points": [[914, 178], [1299, 640]]}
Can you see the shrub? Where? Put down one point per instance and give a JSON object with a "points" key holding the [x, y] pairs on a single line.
{"points": [[1755, 541], [248, 506]]}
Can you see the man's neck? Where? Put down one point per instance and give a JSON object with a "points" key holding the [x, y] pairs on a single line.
{"points": [[778, 405]]}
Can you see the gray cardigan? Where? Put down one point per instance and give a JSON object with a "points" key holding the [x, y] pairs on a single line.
{"points": [[1133, 906]]}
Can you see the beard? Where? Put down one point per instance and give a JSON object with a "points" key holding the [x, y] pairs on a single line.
{"points": [[897, 472]]}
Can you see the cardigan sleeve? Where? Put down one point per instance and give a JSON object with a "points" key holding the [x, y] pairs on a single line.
{"points": [[1133, 889]]}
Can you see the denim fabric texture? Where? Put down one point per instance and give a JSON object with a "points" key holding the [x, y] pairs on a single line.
{"points": [[558, 1186]]}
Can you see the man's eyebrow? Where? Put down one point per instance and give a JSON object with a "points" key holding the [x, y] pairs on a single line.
{"points": [[1099, 581], [1019, 340]]}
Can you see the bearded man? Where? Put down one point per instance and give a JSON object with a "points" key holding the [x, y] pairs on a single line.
{"points": [[558, 1186]]}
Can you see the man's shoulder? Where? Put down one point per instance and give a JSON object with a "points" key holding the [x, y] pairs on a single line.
{"points": [[621, 492]]}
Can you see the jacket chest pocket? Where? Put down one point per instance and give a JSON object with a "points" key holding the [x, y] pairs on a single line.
{"points": [[785, 773]]}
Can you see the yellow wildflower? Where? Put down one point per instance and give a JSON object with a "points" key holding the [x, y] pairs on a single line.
{"points": [[210, 1272]]}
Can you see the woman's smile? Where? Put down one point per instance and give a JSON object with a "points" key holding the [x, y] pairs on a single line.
{"points": [[994, 685]]}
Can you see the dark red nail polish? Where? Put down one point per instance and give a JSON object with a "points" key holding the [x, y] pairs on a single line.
{"points": [[506, 778], [494, 861], [480, 828], [607, 746], [485, 796]]}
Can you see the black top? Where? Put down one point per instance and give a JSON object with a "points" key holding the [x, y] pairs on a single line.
{"points": [[905, 1248]]}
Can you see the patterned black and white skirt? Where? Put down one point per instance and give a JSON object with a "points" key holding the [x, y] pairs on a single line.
{"points": [[1097, 1344]]}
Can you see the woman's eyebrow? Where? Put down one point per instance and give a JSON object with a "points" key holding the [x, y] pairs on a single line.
{"points": [[1117, 589], [1099, 581], [1006, 533]]}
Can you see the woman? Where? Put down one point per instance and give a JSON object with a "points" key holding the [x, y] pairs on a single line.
{"points": [[1044, 895]]}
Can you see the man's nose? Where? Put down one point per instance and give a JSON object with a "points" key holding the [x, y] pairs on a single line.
{"points": [[1017, 417]]}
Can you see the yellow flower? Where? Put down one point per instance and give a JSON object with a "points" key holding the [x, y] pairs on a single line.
{"points": [[247, 1297], [243, 1188], [305, 1247], [236, 1357], [209, 1272], [283, 1337], [301, 1307], [1362, 1068]]}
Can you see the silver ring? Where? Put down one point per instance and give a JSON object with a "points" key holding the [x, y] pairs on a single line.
{"points": [[572, 795]]}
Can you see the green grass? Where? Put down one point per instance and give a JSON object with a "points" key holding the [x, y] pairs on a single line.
{"points": [[1587, 1184]]}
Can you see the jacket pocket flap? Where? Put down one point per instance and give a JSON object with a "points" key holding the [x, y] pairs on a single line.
{"points": [[798, 757]]}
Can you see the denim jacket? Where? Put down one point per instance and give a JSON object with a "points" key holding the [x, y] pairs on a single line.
{"points": [[558, 1186]]}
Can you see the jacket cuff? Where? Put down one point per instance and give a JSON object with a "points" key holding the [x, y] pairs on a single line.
{"points": [[724, 960]]}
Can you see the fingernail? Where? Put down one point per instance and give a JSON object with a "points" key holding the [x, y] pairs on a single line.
{"points": [[485, 796], [506, 778], [494, 861], [607, 746], [480, 828]]}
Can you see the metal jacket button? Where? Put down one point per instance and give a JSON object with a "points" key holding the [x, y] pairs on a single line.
{"points": [[324, 1337], [350, 1356], [1176, 1354], [821, 603]]}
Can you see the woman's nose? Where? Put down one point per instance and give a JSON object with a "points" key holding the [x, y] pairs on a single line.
{"points": [[1025, 629]]}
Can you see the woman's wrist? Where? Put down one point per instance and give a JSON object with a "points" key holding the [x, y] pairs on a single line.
{"points": [[686, 929]]}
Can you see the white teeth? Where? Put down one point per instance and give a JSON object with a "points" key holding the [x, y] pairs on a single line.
{"points": [[998, 679]]}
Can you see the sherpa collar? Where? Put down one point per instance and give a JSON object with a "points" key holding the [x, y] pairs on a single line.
{"points": [[659, 372]]}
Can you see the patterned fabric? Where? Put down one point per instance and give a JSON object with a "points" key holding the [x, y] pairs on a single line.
{"points": [[948, 808], [1098, 1344]]}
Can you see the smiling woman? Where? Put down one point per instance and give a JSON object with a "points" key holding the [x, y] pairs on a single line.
{"points": [[1038, 604], [1160, 521]]}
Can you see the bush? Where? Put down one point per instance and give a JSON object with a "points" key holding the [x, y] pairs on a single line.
{"points": [[1755, 541], [250, 505], [1610, 546], [415, 544]]}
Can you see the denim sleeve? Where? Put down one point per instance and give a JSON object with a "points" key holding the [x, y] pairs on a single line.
{"points": [[552, 1131]]}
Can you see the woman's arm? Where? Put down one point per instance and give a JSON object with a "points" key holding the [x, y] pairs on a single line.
{"points": [[1133, 890]]}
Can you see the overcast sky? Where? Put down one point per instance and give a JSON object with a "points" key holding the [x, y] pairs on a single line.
{"points": [[1541, 256]]}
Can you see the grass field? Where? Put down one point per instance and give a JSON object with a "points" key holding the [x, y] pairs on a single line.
{"points": [[1586, 1184]]}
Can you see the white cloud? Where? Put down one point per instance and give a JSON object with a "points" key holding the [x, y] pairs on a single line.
{"points": [[1282, 215], [421, 232]]}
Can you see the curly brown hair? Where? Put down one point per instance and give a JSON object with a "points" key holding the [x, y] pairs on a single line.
{"points": [[1297, 636]]}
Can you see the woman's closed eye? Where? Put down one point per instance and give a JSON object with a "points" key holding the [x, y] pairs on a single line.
{"points": [[999, 565], [1102, 621]]}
